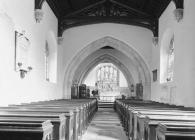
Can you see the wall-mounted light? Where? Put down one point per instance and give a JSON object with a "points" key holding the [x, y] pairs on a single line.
{"points": [[23, 72]]}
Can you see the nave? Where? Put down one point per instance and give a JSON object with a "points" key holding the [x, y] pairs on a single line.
{"points": [[86, 119], [105, 125]]}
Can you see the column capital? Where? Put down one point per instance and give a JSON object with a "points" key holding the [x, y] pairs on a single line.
{"points": [[38, 15], [155, 41], [60, 40], [178, 14]]}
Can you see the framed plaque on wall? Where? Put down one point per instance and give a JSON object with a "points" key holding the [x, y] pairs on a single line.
{"points": [[22, 45]]}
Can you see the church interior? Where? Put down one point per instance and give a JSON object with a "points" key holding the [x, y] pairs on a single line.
{"points": [[73, 68]]}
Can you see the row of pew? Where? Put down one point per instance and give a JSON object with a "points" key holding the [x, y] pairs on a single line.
{"points": [[149, 120], [64, 119]]}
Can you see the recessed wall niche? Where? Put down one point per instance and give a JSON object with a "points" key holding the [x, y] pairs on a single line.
{"points": [[154, 75]]}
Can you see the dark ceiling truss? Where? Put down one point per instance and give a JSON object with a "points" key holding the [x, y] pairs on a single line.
{"points": [[151, 24], [53, 5], [179, 3], [70, 4], [143, 13], [132, 9], [108, 11], [38, 4], [84, 9]]}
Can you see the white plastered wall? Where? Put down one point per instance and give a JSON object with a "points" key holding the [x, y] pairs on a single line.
{"points": [[97, 44], [181, 90], [19, 15]]}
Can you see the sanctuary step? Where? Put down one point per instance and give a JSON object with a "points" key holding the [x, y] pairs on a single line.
{"points": [[105, 125], [103, 104]]}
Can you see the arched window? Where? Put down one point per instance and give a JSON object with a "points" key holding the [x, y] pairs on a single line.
{"points": [[167, 57], [51, 58], [47, 61], [107, 77], [170, 60]]}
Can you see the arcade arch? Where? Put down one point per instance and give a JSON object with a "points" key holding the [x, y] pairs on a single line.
{"points": [[74, 68]]}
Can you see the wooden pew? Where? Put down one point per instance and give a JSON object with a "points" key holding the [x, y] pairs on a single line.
{"points": [[62, 126], [140, 116], [25, 130], [89, 106], [176, 131], [83, 111], [79, 120], [59, 125], [151, 122], [79, 124], [130, 109]]}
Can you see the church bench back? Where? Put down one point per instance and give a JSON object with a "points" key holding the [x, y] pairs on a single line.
{"points": [[128, 110], [26, 130], [175, 131]]}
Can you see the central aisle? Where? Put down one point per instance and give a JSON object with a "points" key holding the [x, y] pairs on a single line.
{"points": [[105, 126]]}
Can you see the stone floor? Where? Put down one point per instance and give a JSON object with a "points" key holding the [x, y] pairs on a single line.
{"points": [[105, 126]]}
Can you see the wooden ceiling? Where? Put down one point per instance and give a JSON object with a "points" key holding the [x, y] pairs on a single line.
{"points": [[144, 13]]}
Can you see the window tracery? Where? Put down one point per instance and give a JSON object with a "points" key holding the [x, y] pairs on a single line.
{"points": [[47, 61], [107, 78], [170, 60]]}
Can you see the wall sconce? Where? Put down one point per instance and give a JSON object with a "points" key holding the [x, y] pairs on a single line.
{"points": [[23, 72]]}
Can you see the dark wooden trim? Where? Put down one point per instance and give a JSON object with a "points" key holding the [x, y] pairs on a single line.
{"points": [[38, 4], [166, 3], [131, 9], [151, 24], [70, 4], [179, 3], [52, 5], [84, 9], [155, 26], [55, 8]]}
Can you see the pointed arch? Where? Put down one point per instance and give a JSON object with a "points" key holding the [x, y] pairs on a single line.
{"points": [[129, 52]]}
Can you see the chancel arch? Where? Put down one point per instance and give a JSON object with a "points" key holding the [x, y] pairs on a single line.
{"points": [[102, 56], [126, 50]]}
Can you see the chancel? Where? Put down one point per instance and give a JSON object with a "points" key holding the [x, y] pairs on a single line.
{"points": [[98, 69]]}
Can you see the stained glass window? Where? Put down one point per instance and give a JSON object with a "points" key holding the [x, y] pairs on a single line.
{"points": [[47, 61], [170, 59], [107, 78]]}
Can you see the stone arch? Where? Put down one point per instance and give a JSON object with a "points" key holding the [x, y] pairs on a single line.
{"points": [[108, 59], [132, 54], [114, 56], [80, 77]]}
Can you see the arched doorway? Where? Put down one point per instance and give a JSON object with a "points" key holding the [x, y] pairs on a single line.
{"points": [[124, 54]]}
